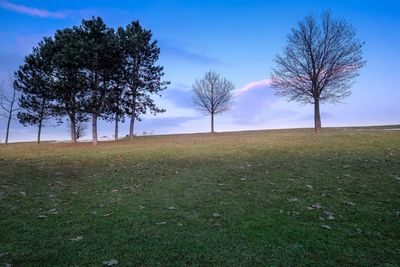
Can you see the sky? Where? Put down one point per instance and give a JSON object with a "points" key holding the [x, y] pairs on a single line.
{"points": [[237, 38]]}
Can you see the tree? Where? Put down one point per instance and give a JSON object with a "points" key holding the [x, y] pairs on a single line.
{"points": [[34, 80], [115, 107], [101, 59], [93, 34], [319, 64], [212, 95], [81, 128], [68, 77], [114, 110], [142, 75], [8, 104]]}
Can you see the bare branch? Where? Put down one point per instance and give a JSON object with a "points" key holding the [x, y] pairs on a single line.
{"points": [[320, 61], [212, 95]]}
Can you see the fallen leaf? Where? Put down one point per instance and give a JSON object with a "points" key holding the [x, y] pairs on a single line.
{"points": [[292, 199], [23, 193], [42, 216], [216, 215], [78, 238], [315, 206], [141, 207], [325, 226], [349, 203], [111, 262], [309, 186], [242, 179], [330, 217], [107, 214], [171, 208], [161, 223]]}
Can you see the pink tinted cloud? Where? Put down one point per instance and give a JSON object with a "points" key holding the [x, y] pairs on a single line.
{"points": [[253, 85], [32, 11]]}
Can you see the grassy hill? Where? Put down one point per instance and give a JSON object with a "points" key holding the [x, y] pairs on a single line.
{"points": [[282, 197]]}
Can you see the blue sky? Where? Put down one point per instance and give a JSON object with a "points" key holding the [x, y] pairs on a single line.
{"points": [[238, 39]]}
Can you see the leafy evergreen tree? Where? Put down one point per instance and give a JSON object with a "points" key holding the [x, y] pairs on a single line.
{"points": [[34, 80], [141, 73], [69, 79], [101, 60]]}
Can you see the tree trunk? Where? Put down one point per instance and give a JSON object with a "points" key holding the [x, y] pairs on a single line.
{"points": [[317, 116], [8, 126], [132, 123], [94, 129], [131, 126], [212, 122], [39, 131], [116, 127], [73, 128]]}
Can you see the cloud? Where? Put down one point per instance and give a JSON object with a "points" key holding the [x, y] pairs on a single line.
{"points": [[32, 11], [252, 104], [158, 123], [179, 97], [175, 52], [253, 85]]}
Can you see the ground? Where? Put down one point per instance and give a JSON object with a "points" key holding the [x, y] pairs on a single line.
{"points": [[283, 198]]}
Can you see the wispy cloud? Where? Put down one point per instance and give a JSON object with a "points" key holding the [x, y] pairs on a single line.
{"points": [[178, 53], [181, 98], [253, 85], [32, 11]]}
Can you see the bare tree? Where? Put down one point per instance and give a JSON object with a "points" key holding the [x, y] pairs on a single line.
{"points": [[8, 104], [319, 63], [80, 129], [212, 95]]}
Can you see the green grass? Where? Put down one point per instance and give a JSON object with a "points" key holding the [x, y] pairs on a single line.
{"points": [[229, 199]]}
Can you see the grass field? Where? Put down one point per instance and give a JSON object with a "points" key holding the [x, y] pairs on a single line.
{"points": [[283, 198]]}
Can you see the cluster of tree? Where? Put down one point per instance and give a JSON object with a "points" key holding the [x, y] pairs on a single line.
{"points": [[90, 72]]}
